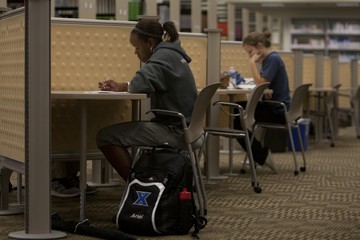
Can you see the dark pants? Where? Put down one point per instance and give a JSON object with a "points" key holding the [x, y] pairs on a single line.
{"points": [[263, 113]]}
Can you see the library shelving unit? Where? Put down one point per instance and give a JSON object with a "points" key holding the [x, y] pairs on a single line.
{"points": [[344, 37], [308, 35], [66, 9], [328, 35], [105, 9]]}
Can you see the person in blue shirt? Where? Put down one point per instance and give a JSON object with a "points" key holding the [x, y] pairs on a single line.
{"points": [[258, 46]]}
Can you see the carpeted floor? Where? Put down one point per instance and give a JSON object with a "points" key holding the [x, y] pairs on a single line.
{"points": [[323, 203]]}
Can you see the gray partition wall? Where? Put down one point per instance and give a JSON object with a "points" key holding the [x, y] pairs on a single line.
{"points": [[37, 123]]}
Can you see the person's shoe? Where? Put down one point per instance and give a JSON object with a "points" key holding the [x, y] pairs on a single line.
{"points": [[58, 189], [75, 182], [269, 162], [91, 189]]}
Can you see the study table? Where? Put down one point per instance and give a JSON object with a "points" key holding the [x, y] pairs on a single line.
{"points": [[321, 95], [83, 97]]}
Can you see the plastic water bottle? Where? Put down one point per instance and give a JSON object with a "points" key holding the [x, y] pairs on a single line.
{"points": [[184, 195], [232, 79], [184, 211]]}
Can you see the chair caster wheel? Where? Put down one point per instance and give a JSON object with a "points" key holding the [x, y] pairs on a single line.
{"points": [[296, 172], [242, 171], [257, 189], [303, 169], [202, 222]]}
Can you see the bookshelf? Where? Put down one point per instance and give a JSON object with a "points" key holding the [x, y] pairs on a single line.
{"points": [[66, 9], [328, 35], [105, 9]]}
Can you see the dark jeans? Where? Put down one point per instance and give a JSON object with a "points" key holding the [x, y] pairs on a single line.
{"points": [[263, 113]]}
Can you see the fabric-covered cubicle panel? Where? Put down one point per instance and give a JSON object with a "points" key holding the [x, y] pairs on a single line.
{"points": [[233, 55], [309, 69], [196, 47], [84, 53], [345, 74], [12, 84], [327, 78], [345, 80]]}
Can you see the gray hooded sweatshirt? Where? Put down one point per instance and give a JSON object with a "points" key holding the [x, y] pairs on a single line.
{"points": [[167, 78]]}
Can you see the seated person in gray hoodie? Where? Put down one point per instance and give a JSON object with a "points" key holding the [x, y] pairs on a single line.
{"points": [[168, 80]]}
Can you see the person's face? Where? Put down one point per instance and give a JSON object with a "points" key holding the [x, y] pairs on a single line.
{"points": [[142, 48], [252, 50]]}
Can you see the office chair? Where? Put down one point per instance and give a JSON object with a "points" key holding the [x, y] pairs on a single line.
{"points": [[194, 138], [292, 117], [247, 119]]}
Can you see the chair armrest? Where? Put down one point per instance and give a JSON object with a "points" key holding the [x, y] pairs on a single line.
{"points": [[276, 103], [169, 113], [231, 105]]}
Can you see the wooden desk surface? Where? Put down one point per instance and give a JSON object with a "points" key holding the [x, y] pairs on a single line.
{"points": [[94, 95], [233, 91], [237, 91]]}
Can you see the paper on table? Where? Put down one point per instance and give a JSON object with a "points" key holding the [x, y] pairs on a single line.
{"points": [[107, 92], [246, 86]]}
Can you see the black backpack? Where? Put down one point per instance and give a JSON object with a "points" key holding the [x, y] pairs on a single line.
{"points": [[158, 199]]}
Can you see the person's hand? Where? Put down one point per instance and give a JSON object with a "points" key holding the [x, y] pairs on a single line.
{"points": [[255, 57], [109, 85], [267, 96]]}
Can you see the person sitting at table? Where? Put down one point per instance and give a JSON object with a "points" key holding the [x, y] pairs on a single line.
{"points": [[258, 47], [167, 78]]}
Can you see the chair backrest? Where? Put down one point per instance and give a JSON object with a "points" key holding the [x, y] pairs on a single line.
{"points": [[297, 102], [249, 117], [203, 100]]}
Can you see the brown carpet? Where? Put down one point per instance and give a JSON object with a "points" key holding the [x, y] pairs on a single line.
{"points": [[323, 203]]}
